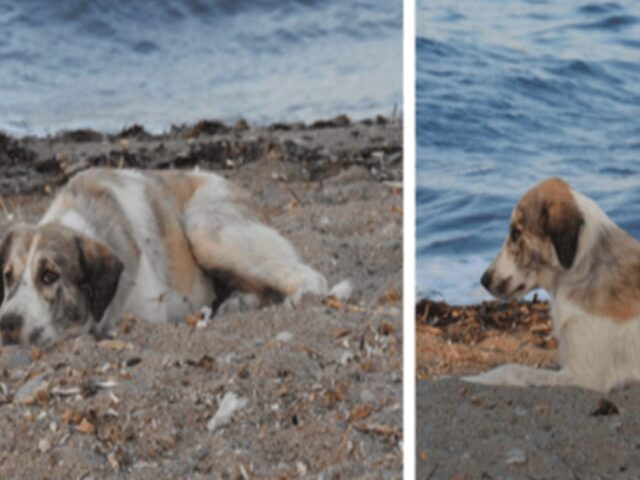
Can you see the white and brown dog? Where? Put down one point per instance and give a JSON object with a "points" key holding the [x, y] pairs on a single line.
{"points": [[561, 241], [151, 243]]}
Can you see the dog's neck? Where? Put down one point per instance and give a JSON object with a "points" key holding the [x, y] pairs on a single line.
{"points": [[605, 275]]}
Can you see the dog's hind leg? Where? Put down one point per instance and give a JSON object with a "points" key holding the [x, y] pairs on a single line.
{"points": [[521, 376], [228, 240]]}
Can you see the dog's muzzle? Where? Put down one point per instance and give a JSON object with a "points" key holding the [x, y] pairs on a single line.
{"points": [[486, 279], [10, 327]]}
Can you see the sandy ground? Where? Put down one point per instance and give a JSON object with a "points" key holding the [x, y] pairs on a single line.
{"points": [[467, 431], [316, 388]]}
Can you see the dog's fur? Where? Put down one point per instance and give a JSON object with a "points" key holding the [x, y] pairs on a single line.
{"points": [[151, 243], [561, 241]]}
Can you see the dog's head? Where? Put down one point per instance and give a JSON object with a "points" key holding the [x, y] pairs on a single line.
{"points": [[55, 283], [542, 242]]}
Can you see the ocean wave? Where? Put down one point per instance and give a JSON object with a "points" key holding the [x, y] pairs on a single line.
{"points": [[505, 98], [104, 64]]}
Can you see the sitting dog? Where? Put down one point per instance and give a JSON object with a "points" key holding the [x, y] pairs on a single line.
{"points": [[561, 241], [152, 243]]}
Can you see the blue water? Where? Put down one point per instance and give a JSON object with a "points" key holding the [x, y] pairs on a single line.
{"points": [[509, 93], [105, 64]]}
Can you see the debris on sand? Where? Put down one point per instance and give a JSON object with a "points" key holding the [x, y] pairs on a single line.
{"points": [[515, 456], [229, 404], [605, 408], [472, 338], [284, 336]]}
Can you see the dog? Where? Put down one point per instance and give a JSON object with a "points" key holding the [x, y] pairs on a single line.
{"points": [[156, 244], [561, 241]]}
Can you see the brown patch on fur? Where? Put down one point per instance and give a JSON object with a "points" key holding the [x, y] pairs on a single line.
{"points": [[549, 211], [14, 252], [246, 204], [181, 266], [221, 261], [613, 289], [92, 197], [181, 186]]}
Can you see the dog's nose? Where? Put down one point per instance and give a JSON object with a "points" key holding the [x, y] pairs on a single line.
{"points": [[486, 279], [10, 326]]}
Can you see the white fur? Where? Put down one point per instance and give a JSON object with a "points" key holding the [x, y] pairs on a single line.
{"points": [[73, 220], [27, 303]]}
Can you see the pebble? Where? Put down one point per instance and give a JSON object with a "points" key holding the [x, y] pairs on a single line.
{"points": [[342, 291], [229, 404], [284, 336], [520, 411], [616, 424], [515, 456], [44, 446], [27, 393], [346, 357], [19, 358], [367, 396]]}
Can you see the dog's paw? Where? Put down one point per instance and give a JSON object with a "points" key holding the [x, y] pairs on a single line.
{"points": [[342, 291], [516, 375], [313, 283], [239, 302], [509, 374]]}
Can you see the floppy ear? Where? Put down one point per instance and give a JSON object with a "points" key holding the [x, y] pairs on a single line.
{"points": [[563, 223], [101, 271]]}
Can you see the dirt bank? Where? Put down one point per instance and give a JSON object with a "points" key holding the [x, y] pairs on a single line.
{"points": [[467, 431], [317, 389]]}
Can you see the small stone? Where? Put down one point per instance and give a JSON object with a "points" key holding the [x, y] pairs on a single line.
{"points": [[284, 337], [342, 291], [360, 412], [367, 396], [229, 404], [616, 424], [346, 357], [112, 458], [85, 426], [515, 456], [44, 446], [33, 390], [19, 358], [520, 411]]}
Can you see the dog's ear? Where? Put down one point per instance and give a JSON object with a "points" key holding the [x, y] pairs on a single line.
{"points": [[563, 221], [101, 270]]}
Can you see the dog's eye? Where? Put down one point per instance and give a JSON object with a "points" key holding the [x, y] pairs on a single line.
{"points": [[48, 277], [514, 234]]}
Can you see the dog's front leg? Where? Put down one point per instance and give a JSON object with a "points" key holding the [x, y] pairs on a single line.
{"points": [[520, 376]]}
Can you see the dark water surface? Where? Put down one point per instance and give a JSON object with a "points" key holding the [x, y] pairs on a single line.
{"points": [[105, 64], [509, 93]]}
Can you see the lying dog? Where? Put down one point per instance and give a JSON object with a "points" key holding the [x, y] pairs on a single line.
{"points": [[151, 243], [563, 242]]}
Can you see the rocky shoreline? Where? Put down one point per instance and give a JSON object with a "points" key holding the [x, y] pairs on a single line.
{"points": [[321, 150]]}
